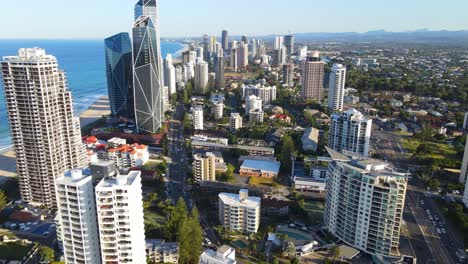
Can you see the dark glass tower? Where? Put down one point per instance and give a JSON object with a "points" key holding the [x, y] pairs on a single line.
{"points": [[289, 43], [147, 76], [225, 40], [120, 75], [219, 71]]}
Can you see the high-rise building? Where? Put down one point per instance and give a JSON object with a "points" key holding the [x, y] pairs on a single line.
{"points": [[256, 116], [464, 170], [119, 69], [289, 44], [465, 122], [239, 212], [225, 40], [337, 87], [312, 78], [303, 52], [179, 74], [278, 42], [266, 93], [204, 167], [169, 74], [364, 203], [280, 56], [147, 75], [147, 8], [201, 78], [288, 75], [350, 131], [218, 109], [252, 102], [119, 203], [242, 55], [253, 49], [219, 72], [46, 137], [200, 52], [189, 56], [233, 61], [245, 40], [189, 72], [198, 117], [77, 217], [235, 122], [212, 44]]}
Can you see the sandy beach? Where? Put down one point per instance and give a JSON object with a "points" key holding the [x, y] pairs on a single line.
{"points": [[93, 113]]}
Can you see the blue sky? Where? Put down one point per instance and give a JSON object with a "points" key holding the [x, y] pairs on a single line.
{"points": [[96, 19]]}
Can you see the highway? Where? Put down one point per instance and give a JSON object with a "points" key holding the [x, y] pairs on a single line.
{"points": [[437, 249], [177, 176]]}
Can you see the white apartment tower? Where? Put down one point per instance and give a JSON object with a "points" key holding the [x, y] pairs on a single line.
{"points": [[266, 93], [464, 173], [46, 137], [204, 166], [198, 117], [218, 109], [77, 217], [119, 203], [242, 55], [169, 74], [364, 203], [350, 131], [337, 87], [235, 122], [239, 212], [253, 103]]}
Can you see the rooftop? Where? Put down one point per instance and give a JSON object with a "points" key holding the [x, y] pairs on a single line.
{"points": [[234, 198], [262, 165]]}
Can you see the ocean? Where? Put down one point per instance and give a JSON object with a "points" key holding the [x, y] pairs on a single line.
{"points": [[84, 65]]}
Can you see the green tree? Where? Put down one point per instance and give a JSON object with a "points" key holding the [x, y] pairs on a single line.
{"points": [[3, 200], [177, 218], [196, 235], [46, 254], [286, 153], [294, 261]]}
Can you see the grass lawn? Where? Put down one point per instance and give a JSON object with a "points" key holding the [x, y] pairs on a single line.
{"points": [[86, 130], [315, 211], [436, 150], [151, 165], [257, 181], [14, 250], [8, 233]]}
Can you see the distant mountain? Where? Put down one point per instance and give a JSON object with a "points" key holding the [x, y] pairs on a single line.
{"points": [[421, 35]]}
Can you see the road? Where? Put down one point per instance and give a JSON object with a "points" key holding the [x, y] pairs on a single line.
{"points": [[437, 248], [177, 177]]}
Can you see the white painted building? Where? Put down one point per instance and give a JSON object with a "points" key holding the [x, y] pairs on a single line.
{"points": [[77, 217], [119, 203], [218, 109], [224, 255], [350, 131], [239, 212], [252, 103], [266, 93], [189, 72], [256, 116], [160, 251], [364, 203], [337, 87], [45, 134], [235, 122], [198, 117]]}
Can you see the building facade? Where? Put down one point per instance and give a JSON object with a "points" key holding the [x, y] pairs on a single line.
{"points": [[201, 77], [160, 251], [288, 74], [224, 255], [119, 203], [266, 93], [337, 87], [77, 217], [235, 122], [204, 167], [46, 136], [289, 44], [242, 55], [119, 71], [219, 71], [147, 74], [225, 39], [198, 118], [239, 212], [350, 131], [312, 78], [169, 74], [252, 103], [364, 203]]}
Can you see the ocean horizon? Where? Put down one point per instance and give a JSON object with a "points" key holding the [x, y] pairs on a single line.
{"points": [[84, 64]]}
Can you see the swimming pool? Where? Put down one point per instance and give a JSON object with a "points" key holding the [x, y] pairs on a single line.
{"points": [[294, 235]]}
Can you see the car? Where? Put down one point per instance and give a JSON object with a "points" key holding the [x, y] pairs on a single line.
{"points": [[443, 231], [422, 202], [438, 231], [430, 217]]}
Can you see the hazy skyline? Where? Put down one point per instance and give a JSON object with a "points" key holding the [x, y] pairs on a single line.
{"points": [[86, 19]]}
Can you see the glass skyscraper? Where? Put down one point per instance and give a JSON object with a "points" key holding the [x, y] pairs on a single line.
{"points": [[120, 75], [147, 76]]}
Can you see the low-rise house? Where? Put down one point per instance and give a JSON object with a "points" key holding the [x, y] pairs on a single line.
{"points": [[224, 255], [160, 251], [260, 168], [310, 139], [280, 117]]}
